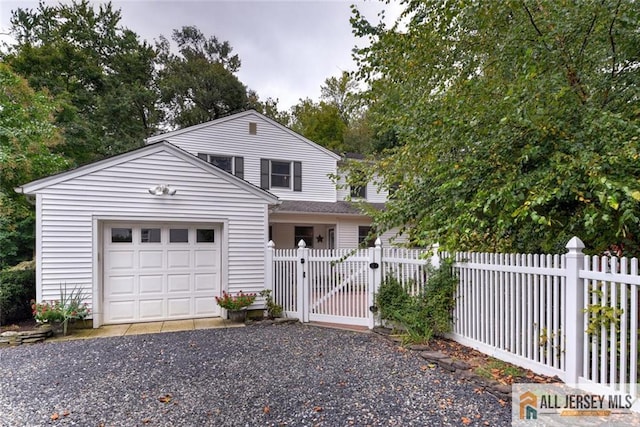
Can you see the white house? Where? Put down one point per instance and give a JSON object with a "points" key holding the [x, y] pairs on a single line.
{"points": [[158, 232]]}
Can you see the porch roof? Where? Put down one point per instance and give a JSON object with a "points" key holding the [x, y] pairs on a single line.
{"points": [[312, 207]]}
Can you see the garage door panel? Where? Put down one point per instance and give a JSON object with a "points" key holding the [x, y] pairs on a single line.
{"points": [[151, 284], [205, 258], [178, 259], [206, 306], [121, 260], [151, 259], [179, 306], [205, 282], [121, 311], [178, 283], [152, 277], [151, 309], [122, 285]]}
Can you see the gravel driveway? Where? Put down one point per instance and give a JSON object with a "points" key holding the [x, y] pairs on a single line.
{"points": [[261, 375]]}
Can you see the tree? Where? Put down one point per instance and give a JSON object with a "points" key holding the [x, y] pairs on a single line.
{"points": [[337, 121], [320, 122], [102, 71], [199, 84], [515, 124], [342, 93], [27, 137]]}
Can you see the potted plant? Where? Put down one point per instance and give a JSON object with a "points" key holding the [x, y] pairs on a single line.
{"points": [[59, 313], [236, 304]]}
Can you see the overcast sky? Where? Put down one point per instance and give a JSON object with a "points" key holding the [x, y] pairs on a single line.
{"points": [[287, 48]]}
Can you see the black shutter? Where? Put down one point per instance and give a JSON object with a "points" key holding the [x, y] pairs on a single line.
{"points": [[239, 167], [203, 156], [264, 174], [297, 176]]}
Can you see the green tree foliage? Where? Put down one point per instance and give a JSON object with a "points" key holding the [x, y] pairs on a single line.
{"points": [[103, 72], [337, 121], [320, 122], [513, 125], [198, 84], [27, 136]]}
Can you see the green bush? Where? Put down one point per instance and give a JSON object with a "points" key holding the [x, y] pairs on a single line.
{"points": [[427, 314], [17, 289], [392, 299]]}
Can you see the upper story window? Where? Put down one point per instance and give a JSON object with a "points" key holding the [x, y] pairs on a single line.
{"points": [[359, 192], [280, 174], [232, 164]]}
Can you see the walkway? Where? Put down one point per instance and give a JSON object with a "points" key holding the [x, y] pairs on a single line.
{"points": [[147, 328]]}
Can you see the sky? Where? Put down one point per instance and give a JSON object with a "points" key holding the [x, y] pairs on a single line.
{"points": [[287, 48]]}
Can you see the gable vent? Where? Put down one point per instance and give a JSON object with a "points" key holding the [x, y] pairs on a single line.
{"points": [[253, 128]]}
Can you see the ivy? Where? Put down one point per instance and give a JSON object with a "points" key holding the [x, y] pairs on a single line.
{"points": [[425, 315]]}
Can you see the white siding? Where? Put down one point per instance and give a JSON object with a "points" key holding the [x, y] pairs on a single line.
{"points": [[347, 234], [231, 137], [67, 211], [374, 195]]}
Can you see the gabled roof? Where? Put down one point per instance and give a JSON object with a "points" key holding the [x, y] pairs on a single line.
{"points": [[216, 122], [35, 186], [311, 207]]}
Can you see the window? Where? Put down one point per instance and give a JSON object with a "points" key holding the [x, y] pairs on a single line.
{"points": [[223, 162], [359, 192], [204, 235], [253, 128], [303, 233], [150, 235], [179, 235], [365, 237], [279, 174], [121, 235], [231, 164]]}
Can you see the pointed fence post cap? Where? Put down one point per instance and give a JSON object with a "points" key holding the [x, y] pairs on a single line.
{"points": [[378, 242], [575, 244], [302, 244], [271, 244]]}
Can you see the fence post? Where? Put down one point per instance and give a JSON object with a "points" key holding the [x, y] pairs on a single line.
{"points": [[375, 278], [574, 334], [268, 267], [301, 282], [435, 256]]}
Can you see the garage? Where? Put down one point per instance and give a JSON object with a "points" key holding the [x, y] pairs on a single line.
{"points": [[149, 235], [160, 271]]}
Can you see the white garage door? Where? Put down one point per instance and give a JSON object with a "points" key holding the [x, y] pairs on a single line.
{"points": [[160, 271]]}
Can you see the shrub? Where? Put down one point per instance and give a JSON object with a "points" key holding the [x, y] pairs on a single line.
{"points": [[17, 289], [273, 310], [427, 314], [392, 299]]}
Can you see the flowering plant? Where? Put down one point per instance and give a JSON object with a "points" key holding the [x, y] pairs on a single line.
{"points": [[70, 306], [235, 302]]}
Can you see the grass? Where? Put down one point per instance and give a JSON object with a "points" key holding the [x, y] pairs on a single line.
{"points": [[494, 369]]}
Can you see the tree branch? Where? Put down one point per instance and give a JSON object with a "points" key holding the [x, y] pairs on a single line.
{"points": [[613, 42], [586, 36]]}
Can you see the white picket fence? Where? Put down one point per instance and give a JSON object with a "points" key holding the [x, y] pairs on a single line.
{"points": [[339, 285], [530, 310]]}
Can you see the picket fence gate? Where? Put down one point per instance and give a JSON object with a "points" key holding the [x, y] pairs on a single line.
{"points": [[339, 285], [530, 310]]}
